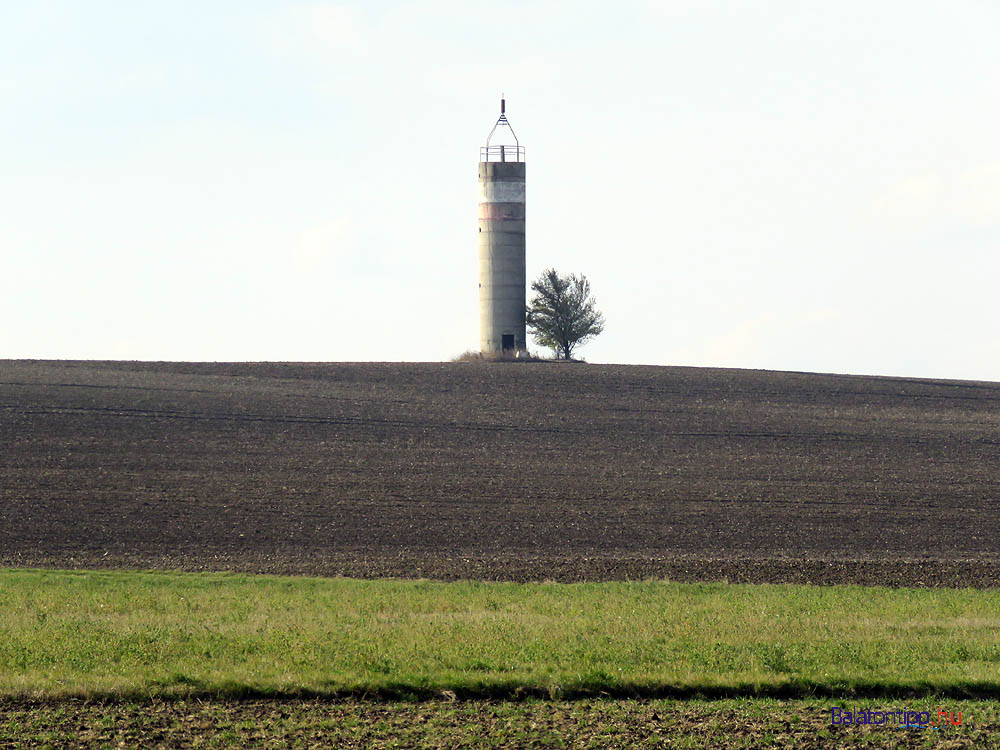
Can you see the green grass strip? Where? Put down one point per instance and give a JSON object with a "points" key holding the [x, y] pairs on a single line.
{"points": [[174, 634]]}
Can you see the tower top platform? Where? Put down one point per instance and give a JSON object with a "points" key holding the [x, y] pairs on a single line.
{"points": [[501, 153]]}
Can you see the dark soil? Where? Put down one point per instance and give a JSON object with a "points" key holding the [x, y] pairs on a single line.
{"points": [[519, 471], [476, 724]]}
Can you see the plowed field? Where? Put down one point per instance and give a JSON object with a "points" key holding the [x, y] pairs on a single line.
{"points": [[609, 725], [517, 471]]}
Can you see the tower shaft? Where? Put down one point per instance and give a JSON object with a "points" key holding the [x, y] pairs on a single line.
{"points": [[502, 276]]}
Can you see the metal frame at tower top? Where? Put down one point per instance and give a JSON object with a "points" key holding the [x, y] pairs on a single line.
{"points": [[504, 152]]}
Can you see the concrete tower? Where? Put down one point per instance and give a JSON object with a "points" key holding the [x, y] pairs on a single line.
{"points": [[501, 241]]}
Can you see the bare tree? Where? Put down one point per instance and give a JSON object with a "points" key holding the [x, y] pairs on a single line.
{"points": [[561, 314]]}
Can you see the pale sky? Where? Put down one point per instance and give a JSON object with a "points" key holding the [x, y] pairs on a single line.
{"points": [[782, 185]]}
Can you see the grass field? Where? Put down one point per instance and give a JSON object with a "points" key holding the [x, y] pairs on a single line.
{"points": [[131, 659], [142, 635]]}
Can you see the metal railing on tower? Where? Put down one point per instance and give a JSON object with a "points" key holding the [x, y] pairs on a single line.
{"points": [[501, 153]]}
